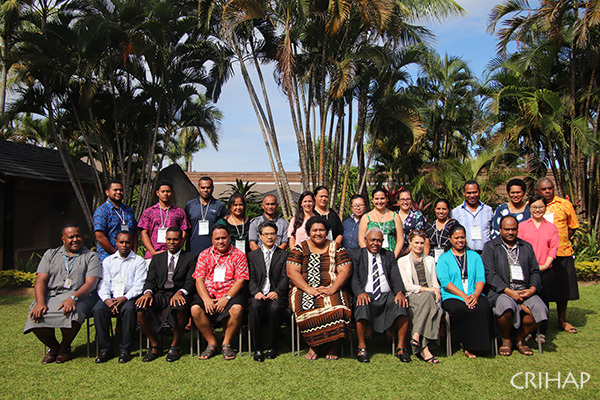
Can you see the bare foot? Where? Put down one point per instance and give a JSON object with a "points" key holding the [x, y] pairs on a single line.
{"points": [[469, 354]]}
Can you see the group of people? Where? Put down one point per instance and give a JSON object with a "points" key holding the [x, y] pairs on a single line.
{"points": [[389, 271]]}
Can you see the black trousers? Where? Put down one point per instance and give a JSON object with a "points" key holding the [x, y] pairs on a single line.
{"points": [[102, 321], [258, 311]]}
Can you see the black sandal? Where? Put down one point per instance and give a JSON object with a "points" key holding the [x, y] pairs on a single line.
{"points": [[228, 353], [151, 356], [210, 351], [404, 357]]}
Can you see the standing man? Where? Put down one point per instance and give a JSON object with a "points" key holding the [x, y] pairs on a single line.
{"points": [[379, 293], [268, 289], [111, 218], [203, 212], [221, 272], [564, 277], [157, 219], [123, 276], [350, 236], [65, 293], [167, 295], [269, 206], [475, 216], [514, 279]]}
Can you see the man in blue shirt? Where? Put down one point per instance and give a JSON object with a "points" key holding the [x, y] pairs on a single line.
{"points": [[350, 236], [203, 212], [111, 218], [475, 216]]}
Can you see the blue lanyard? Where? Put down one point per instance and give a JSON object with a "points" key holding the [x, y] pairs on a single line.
{"points": [[69, 265]]}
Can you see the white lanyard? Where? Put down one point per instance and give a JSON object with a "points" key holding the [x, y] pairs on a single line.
{"points": [[438, 237], [202, 213], [121, 216], [163, 222], [240, 235], [381, 224], [511, 258]]}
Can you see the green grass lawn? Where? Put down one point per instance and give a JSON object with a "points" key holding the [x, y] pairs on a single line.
{"points": [[24, 377]]}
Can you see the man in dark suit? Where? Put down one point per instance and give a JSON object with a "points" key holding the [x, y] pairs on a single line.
{"points": [[268, 287], [167, 294], [379, 294], [513, 278]]}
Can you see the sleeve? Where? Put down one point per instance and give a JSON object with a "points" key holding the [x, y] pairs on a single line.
{"points": [[286, 226], [100, 220], [189, 285], [406, 274], [282, 287], [479, 268], [496, 223], [151, 282], [489, 263], [535, 275], [435, 282], [241, 267], [443, 271], [336, 224], [421, 221], [44, 265], [357, 287], [554, 241], [185, 224], [342, 257], [201, 266], [138, 281], [144, 222], [252, 283], [572, 221], [131, 219], [253, 231], [94, 267], [105, 283], [291, 228]]}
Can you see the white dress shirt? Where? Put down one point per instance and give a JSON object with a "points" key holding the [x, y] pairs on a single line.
{"points": [[267, 285], [130, 271], [383, 282]]}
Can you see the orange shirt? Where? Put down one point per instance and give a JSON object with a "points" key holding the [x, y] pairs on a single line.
{"points": [[564, 219]]}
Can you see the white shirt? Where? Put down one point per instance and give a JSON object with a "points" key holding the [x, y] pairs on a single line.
{"points": [[130, 271], [383, 282], [175, 260], [267, 285]]}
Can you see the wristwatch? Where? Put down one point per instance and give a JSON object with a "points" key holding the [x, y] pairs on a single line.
{"points": [[228, 297], [75, 298]]}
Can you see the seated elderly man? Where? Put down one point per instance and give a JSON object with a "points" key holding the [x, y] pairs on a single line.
{"points": [[220, 274], [167, 295], [123, 276], [513, 277], [65, 292], [379, 292]]}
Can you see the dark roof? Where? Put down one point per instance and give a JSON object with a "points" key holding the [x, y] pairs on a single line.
{"points": [[22, 160]]}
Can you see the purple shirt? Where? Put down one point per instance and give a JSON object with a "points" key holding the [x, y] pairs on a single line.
{"points": [[155, 217]]}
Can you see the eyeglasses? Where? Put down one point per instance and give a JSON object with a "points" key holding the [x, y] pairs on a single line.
{"points": [[268, 234], [358, 206], [538, 208]]}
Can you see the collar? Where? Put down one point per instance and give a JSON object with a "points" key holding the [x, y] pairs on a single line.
{"points": [[267, 218], [157, 206], [508, 246], [265, 250], [174, 254], [207, 204], [63, 249], [227, 253], [354, 217], [479, 205], [111, 204]]}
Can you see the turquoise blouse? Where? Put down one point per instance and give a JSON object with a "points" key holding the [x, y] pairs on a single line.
{"points": [[448, 271]]}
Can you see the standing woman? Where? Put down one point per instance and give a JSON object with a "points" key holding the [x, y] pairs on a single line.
{"points": [[333, 219], [236, 222], [411, 219], [423, 293], [305, 210], [318, 269], [516, 207], [386, 220], [438, 231], [462, 278], [543, 236]]}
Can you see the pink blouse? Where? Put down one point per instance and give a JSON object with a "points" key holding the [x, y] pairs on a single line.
{"points": [[300, 235], [543, 239]]}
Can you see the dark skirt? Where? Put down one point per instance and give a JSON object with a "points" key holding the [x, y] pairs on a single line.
{"points": [[381, 313], [474, 326], [161, 311], [238, 299], [559, 283]]}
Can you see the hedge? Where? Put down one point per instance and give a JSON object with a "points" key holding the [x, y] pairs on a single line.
{"points": [[588, 270], [13, 278]]}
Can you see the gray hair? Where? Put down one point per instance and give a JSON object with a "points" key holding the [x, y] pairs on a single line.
{"points": [[542, 180], [374, 229]]}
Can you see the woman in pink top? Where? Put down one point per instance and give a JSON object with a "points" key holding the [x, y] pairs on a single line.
{"points": [[543, 236], [305, 210]]}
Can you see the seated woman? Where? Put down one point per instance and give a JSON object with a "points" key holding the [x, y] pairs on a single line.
{"points": [[462, 278], [385, 219], [318, 269], [516, 206], [236, 222], [423, 293], [306, 209]]}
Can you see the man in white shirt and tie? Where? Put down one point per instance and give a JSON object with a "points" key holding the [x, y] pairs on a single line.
{"points": [[379, 293], [123, 276]]}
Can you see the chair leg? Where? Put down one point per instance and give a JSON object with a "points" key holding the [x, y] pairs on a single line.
{"points": [[249, 341], [448, 335], [292, 328], [539, 340], [87, 346], [141, 345]]}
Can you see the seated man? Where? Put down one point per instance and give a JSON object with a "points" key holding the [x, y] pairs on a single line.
{"points": [[167, 294], [513, 277], [379, 293], [123, 276], [268, 288], [64, 294], [220, 274]]}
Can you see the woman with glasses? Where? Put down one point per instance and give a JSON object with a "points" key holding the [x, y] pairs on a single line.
{"points": [[411, 220], [386, 220], [358, 205]]}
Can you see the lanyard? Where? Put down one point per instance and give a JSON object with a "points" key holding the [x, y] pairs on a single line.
{"points": [[204, 214], [381, 224], [69, 265], [511, 257], [121, 216], [163, 222], [438, 237], [474, 215], [462, 265], [217, 262], [240, 235]]}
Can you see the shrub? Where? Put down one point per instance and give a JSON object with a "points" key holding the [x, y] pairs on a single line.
{"points": [[588, 270], [16, 279]]}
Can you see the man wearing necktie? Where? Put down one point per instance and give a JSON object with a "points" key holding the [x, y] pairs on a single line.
{"points": [[379, 293], [167, 295]]}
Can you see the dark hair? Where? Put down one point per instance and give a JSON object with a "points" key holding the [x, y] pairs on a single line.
{"points": [[356, 197], [110, 183], [175, 229], [270, 195], [446, 201], [267, 224], [220, 226], [206, 178], [404, 191], [317, 219], [125, 233], [164, 183], [381, 189], [455, 228], [299, 216], [232, 199], [319, 188], [69, 225], [508, 216], [544, 179], [471, 182], [535, 198], [516, 182]]}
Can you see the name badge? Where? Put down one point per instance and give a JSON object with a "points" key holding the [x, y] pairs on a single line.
{"points": [[203, 227], [465, 283], [162, 235], [549, 217], [476, 233], [330, 235], [386, 242], [241, 245], [124, 228], [438, 251], [516, 272], [118, 289], [219, 274], [68, 283]]}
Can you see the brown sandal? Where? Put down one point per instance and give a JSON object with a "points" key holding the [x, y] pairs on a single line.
{"points": [[228, 353], [210, 351], [524, 349], [505, 350]]}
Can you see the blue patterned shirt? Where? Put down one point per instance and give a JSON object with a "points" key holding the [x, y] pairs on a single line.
{"points": [[108, 219]]}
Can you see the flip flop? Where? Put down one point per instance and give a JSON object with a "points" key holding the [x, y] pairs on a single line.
{"points": [[524, 349], [470, 355], [432, 360], [505, 350], [332, 357], [311, 355]]}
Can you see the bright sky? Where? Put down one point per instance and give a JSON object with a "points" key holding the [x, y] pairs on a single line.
{"points": [[242, 148]]}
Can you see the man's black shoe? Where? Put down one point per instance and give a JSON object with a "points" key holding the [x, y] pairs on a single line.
{"points": [[103, 357], [271, 354], [124, 356], [258, 356]]}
